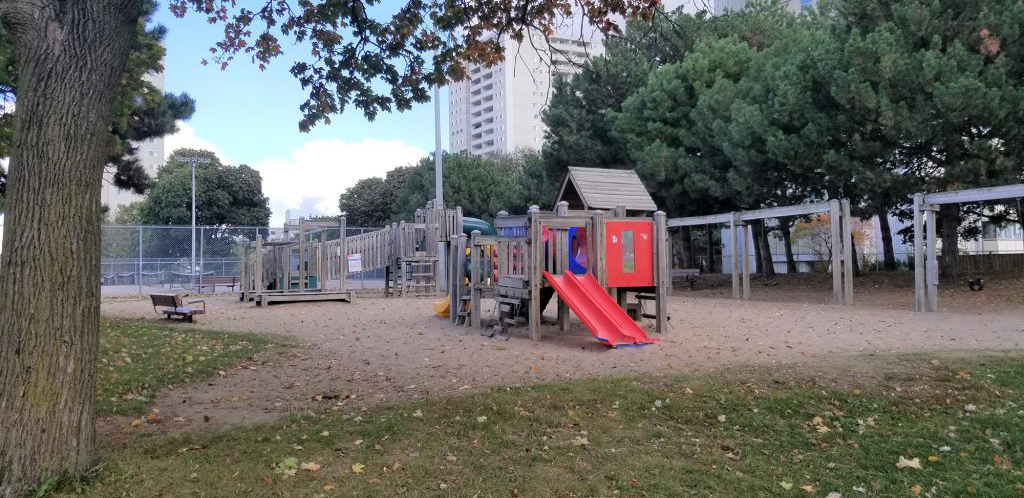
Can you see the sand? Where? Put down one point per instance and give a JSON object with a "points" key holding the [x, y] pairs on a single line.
{"points": [[375, 349]]}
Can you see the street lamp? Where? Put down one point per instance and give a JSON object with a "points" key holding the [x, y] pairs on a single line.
{"points": [[194, 160]]}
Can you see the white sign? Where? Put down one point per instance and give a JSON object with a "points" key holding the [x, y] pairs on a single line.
{"points": [[355, 263]]}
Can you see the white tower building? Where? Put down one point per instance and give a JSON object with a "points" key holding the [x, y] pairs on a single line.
{"points": [[151, 155]]}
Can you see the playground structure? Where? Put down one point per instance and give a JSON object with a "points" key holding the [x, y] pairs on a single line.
{"points": [[309, 267], [409, 253], [739, 234], [602, 266], [926, 210]]}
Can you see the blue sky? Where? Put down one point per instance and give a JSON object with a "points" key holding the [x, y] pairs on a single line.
{"points": [[248, 116]]}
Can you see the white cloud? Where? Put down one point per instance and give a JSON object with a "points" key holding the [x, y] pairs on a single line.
{"points": [[310, 181], [186, 138]]}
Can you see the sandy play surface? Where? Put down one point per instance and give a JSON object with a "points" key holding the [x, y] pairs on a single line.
{"points": [[378, 349]]}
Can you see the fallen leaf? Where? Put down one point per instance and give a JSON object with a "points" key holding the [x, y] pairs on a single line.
{"points": [[915, 489], [786, 485], [970, 408], [418, 414], [310, 466], [807, 488], [933, 458], [481, 419], [328, 487], [833, 495], [903, 463], [721, 418], [357, 468], [580, 441]]}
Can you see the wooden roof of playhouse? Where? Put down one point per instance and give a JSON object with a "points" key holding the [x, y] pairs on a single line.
{"points": [[599, 188]]}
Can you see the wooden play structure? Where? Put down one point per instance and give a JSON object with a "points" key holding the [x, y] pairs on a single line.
{"points": [[409, 253], [740, 234], [309, 266], [603, 266]]}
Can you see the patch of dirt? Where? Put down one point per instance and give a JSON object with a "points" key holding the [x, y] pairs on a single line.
{"points": [[377, 349]]}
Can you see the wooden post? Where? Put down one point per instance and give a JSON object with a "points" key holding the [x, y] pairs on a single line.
{"points": [[598, 255], [243, 282], [343, 271], [734, 254], [932, 264], [835, 225], [919, 280], [258, 267], [847, 254], [400, 280], [475, 280], [748, 235], [620, 211], [303, 269], [535, 264], [663, 277]]}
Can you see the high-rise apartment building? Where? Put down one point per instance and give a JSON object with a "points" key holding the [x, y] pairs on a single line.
{"points": [[151, 155], [723, 6], [498, 108]]}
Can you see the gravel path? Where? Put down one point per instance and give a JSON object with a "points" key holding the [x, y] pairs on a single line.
{"points": [[378, 349]]}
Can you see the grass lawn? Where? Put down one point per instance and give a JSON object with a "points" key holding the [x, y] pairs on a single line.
{"points": [[140, 357], [957, 426]]}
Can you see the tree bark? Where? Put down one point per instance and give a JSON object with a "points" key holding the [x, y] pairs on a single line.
{"points": [[855, 263], [785, 226], [70, 58], [767, 262], [711, 249], [686, 247], [755, 240], [888, 255], [949, 217]]}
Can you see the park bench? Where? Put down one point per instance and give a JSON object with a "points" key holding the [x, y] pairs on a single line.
{"points": [[173, 306], [214, 281], [689, 275]]}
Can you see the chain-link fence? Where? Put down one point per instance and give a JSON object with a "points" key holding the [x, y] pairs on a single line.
{"points": [[137, 260]]}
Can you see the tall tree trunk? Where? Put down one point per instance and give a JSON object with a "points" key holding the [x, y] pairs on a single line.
{"points": [[949, 217], [785, 226], [767, 262], [754, 240], [888, 256], [855, 263], [686, 247], [711, 249], [70, 58]]}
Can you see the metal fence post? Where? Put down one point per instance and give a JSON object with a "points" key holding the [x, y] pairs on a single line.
{"points": [[139, 273], [202, 251]]}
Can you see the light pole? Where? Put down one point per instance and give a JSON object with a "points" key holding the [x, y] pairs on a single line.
{"points": [[194, 160], [438, 187], [438, 190]]}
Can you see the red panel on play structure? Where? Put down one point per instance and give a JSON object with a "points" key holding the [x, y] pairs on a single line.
{"points": [[630, 256]]}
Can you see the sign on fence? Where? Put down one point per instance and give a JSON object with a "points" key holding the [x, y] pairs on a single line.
{"points": [[355, 263]]}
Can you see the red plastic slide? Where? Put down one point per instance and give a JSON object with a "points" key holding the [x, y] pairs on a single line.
{"points": [[598, 311]]}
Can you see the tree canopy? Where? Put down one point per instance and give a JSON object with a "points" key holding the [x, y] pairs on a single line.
{"points": [[225, 195], [481, 185], [870, 100]]}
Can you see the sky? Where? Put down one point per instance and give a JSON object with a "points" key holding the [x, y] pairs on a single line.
{"points": [[251, 117]]}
